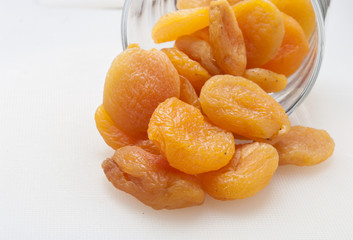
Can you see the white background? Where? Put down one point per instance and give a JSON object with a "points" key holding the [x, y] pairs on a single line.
{"points": [[53, 63]]}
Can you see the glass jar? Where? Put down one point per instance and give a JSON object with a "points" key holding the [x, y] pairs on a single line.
{"points": [[139, 17]]}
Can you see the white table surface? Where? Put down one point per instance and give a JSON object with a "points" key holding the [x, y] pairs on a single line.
{"points": [[53, 63]]}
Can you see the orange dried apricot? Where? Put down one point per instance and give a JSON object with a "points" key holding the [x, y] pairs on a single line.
{"points": [[304, 146], [250, 171], [136, 83], [200, 51], [241, 106], [112, 135], [269, 81], [300, 10], [188, 93], [263, 30], [148, 178], [178, 23], [188, 68], [293, 50], [116, 138], [190, 143], [226, 38]]}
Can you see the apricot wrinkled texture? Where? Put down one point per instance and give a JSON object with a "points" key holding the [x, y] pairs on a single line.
{"points": [[250, 170], [263, 30], [304, 146], [226, 39], [200, 51], [185, 4], [293, 50], [178, 23], [151, 180], [189, 142], [301, 10], [188, 68], [137, 81], [241, 106], [188, 93], [269, 81]]}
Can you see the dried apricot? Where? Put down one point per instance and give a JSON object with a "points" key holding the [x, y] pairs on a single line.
{"points": [[149, 179], [188, 93], [226, 38], [188, 68], [293, 50], [250, 171], [200, 51], [300, 10], [190, 143], [178, 23], [241, 106], [304, 146], [116, 138], [112, 135], [269, 81], [263, 30], [185, 4], [136, 83]]}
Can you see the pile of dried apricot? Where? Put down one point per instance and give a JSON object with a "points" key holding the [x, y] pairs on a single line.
{"points": [[174, 115]]}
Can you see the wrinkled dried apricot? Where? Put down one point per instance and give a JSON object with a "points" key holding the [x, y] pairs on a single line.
{"points": [[293, 50], [269, 81], [200, 51], [226, 38], [149, 179], [263, 30], [188, 68], [241, 106], [182, 22], [304, 146], [188, 93], [185, 4], [190, 143], [250, 171], [136, 83], [301, 10], [116, 138]]}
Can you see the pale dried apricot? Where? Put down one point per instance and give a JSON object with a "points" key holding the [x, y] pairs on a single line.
{"points": [[188, 93], [241, 106], [269, 81], [294, 49], [200, 51], [263, 30], [136, 83], [226, 38], [188, 68], [304, 146], [190, 143], [178, 23], [300, 10], [151, 180], [249, 172], [185, 4]]}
